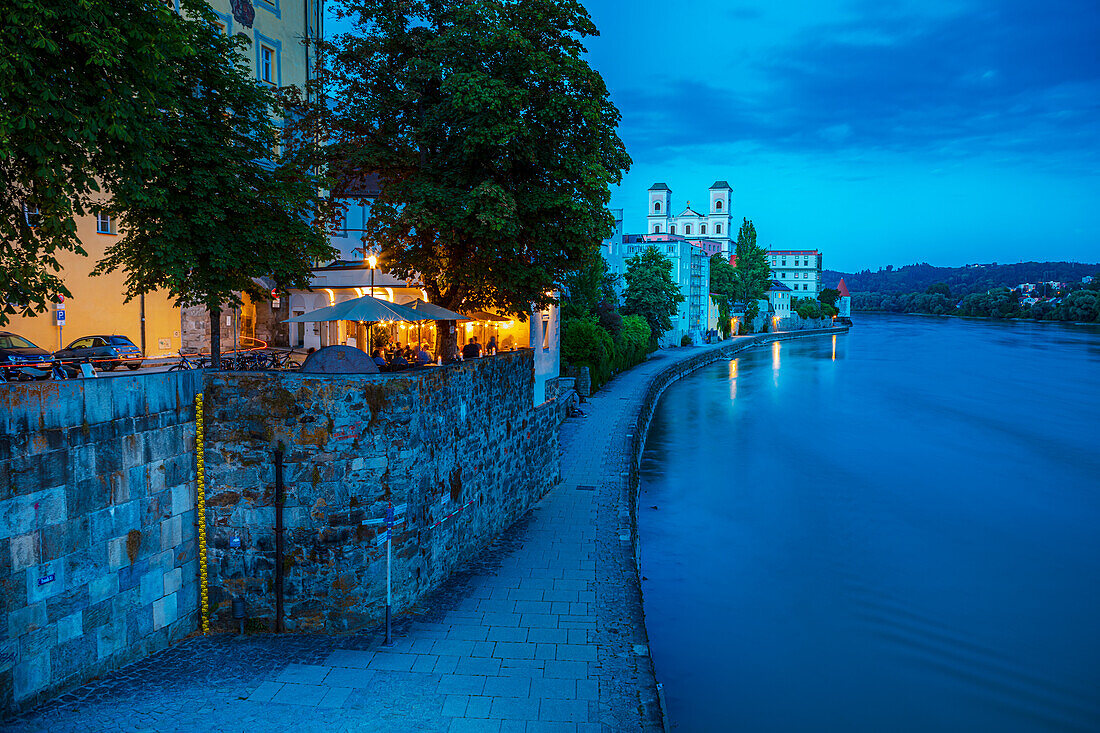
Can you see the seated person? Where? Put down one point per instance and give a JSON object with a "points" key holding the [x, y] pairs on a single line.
{"points": [[377, 358], [472, 350], [398, 360], [423, 356]]}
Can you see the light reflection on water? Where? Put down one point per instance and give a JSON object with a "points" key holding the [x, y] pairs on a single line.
{"points": [[898, 535]]}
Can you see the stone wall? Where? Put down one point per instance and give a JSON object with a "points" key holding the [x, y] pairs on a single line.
{"points": [[97, 527], [460, 448]]}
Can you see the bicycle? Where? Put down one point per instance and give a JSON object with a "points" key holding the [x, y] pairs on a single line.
{"points": [[185, 364]]}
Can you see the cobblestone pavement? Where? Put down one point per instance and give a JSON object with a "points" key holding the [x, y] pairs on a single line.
{"points": [[542, 632]]}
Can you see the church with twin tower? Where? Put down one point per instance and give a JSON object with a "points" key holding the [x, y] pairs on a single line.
{"points": [[716, 225]]}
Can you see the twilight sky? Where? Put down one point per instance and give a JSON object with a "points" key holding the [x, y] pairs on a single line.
{"points": [[878, 131], [884, 132]]}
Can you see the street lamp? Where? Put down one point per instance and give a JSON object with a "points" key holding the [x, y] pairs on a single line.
{"points": [[372, 260]]}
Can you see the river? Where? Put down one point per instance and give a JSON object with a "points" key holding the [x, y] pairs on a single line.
{"points": [[896, 529]]}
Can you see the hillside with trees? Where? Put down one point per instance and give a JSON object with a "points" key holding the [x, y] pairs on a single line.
{"points": [[1053, 291]]}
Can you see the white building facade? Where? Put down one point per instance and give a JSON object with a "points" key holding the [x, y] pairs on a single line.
{"points": [[690, 272], [799, 270], [714, 225]]}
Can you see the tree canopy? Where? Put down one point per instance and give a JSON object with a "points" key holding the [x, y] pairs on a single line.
{"points": [[751, 276], [83, 89], [232, 200], [650, 290], [494, 141]]}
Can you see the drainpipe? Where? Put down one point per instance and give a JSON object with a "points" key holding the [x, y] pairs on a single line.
{"points": [[279, 500]]}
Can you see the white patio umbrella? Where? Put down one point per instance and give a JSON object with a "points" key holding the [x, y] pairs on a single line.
{"points": [[364, 308]]}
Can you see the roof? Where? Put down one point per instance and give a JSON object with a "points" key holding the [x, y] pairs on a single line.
{"points": [[659, 187], [792, 251], [720, 184], [843, 289], [778, 287], [690, 212]]}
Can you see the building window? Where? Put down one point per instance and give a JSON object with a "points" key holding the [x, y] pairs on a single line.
{"points": [[718, 205], [103, 224], [672, 229], [702, 228], [656, 205], [717, 228], [671, 249], [31, 215], [687, 229], [267, 64], [783, 275], [656, 228], [784, 262]]}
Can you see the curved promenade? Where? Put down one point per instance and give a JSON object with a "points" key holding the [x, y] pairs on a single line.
{"points": [[543, 632]]}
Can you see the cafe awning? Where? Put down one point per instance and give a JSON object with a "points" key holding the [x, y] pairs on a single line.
{"points": [[486, 316], [435, 312], [365, 308]]}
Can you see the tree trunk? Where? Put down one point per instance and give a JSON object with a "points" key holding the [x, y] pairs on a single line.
{"points": [[216, 337], [447, 340]]}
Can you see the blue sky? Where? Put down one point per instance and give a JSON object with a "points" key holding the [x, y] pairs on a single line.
{"points": [[884, 132], [879, 132]]}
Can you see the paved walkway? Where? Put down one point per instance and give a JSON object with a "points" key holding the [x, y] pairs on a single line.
{"points": [[543, 632]]}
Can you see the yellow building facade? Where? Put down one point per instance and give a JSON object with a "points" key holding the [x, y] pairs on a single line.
{"points": [[279, 55]]}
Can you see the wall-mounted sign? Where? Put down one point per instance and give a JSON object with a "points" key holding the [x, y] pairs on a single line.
{"points": [[46, 579]]}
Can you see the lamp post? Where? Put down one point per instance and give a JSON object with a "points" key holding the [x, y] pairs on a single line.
{"points": [[372, 260]]}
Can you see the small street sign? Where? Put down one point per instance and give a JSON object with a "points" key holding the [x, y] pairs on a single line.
{"points": [[46, 579]]}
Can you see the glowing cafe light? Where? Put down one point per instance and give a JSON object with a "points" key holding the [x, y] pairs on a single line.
{"points": [[372, 260]]}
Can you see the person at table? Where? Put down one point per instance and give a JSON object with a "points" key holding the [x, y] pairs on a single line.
{"points": [[472, 350], [377, 358], [422, 356], [492, 345], [399, 361]]}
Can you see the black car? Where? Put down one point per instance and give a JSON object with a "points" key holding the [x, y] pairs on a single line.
{"points": [[102, 352], [20, 359]]}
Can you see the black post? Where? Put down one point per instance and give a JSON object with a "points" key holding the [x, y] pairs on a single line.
{"points": [[279, 500], [143, 353]]}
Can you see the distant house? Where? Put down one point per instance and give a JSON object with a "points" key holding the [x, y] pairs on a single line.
{"points": [[779, 300], [691, 273], [844, 302]]}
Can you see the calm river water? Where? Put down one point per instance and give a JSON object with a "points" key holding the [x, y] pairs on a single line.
{"points": [[896, 530]]}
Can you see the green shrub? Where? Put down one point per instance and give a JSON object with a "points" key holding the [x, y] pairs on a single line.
{"points": [[685, 340], [585, 343]]}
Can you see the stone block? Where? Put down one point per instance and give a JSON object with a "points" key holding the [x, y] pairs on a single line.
{"points": [[110, 638], [73, 658], [173, 580], [183, 498], [31, 676], [27, 619], [24, 551], [37, 642], [130, 575], [63, 604], [97, 615], [171, 532], [103, 587], [70, 627], [164, 611], [152, 587], [19, 513]]}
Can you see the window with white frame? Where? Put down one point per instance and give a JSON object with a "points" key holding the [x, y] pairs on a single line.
{"points": [[103, 224], [702, 228], [687, 229], [267, 64]]}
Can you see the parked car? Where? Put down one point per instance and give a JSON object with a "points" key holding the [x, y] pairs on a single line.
{"points": [[103, 352], [20, 359]]}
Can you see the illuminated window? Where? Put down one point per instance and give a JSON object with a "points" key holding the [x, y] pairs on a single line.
{"points": [[103, 224]]}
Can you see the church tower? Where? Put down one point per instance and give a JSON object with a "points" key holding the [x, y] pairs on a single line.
{"points": [[660, 203], [720, 214]]}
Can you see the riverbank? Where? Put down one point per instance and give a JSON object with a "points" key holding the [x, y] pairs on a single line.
{"points": [[991, 319]]}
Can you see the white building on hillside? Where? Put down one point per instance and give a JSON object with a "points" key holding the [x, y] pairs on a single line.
{"points": [[613, 250], [690, 272], [715, 224], [800, 270]]}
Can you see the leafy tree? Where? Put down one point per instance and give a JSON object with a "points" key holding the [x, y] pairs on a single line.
{"points": [[223, 208], [650, 291], [585, 289], [84, 84], [494, 140], [939, 289], [829, 296], [752, 274], [722, 277], [585, 343], [634, 340]]}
